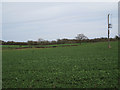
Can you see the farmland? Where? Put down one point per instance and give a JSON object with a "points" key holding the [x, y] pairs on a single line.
{"points": [[37, 46], [89, 65]]}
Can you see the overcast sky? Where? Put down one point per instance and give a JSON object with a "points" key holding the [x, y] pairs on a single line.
{"points": [[53, 20]]}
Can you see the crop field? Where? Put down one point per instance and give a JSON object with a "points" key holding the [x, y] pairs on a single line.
{"points": [[36, 46], [89, 65]]}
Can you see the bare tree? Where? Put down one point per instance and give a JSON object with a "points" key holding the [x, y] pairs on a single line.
{"points": [[40, 40], [81, 37]]}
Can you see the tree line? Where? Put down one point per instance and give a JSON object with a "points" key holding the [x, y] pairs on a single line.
{"points": [[80, 38]]}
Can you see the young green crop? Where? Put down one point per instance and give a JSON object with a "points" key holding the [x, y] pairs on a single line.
{"points": [[90, 65]]}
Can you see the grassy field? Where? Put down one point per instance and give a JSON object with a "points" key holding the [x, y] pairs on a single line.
{"points": [[90, 65], [35, 46]]}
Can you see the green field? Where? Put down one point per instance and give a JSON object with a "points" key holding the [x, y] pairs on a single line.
{"points": [[89, 65], [34, 46]]}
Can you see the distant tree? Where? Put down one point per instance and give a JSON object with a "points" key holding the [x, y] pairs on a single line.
{"points": [[81, 37], [58, 41], [30, 43], [10, 42], [53, 42], [40, 40], [45, 42], [117, 37]]}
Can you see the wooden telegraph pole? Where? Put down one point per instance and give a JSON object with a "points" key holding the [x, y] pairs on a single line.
{"points": [[109, 26]]}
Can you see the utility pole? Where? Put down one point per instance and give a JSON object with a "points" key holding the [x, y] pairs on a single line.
{"points": [[109, 26]]}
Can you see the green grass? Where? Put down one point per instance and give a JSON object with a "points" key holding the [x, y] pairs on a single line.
{"points": [[20, 46], [90, 65]]}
